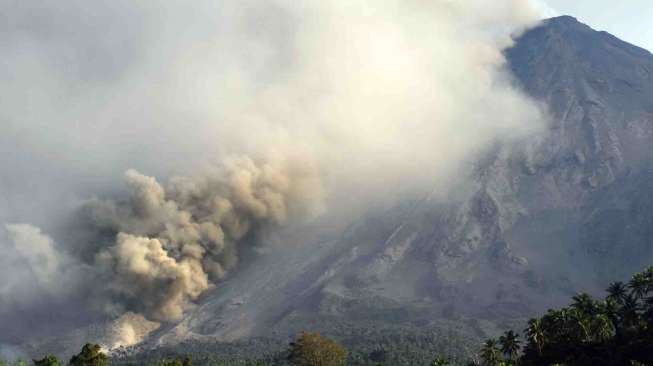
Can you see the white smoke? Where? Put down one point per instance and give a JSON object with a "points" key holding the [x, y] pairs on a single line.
{"points": [[38, 251], [298, 108], [32, 266], [130, 329]]}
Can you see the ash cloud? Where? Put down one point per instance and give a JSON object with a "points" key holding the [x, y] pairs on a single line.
{"points": [[173, 243], [271, 113]]}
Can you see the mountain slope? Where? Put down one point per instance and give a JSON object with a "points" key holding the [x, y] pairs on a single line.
{"points": [[596, 163], [567, 212]]}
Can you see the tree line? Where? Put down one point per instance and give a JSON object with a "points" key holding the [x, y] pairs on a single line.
{"points": [[616, 330]]}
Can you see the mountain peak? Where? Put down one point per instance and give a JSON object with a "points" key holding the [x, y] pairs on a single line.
{"points": [[568, 19], [569, 26], [563, 53], [566, 23]]}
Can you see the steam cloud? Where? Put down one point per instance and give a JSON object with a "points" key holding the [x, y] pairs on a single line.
{"points": [[299, 108]]}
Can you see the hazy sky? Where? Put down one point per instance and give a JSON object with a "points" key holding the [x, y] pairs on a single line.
{"points": [[629, 20]]}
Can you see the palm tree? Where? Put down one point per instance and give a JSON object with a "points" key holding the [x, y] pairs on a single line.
{"points": [[649, 275], [440, 361], [602, 327], [629, 311], [536, 334], [611, 309], [648, 310], [509, 344], [584, 303], [617, 291], [475, 361], [581, 325], [490, 353], [639, 285], [568, 322]]}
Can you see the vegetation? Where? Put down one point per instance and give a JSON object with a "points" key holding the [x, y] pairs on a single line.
{"points": [[440, 361], [617, 330], [311, 349], [91, 355], [47, 361], [186, 361], [18, 362], [366, 345]]}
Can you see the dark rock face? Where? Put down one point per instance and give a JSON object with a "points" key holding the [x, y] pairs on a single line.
{"points": [[592, 170], [569, 211]]}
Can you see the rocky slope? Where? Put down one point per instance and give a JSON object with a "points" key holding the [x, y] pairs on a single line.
{"points": [[571, 210]]}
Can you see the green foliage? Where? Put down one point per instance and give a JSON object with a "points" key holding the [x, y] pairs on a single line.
{"points": [[510, 344], [47, 361], [368, 342], [490, 353], [312, 349], [186, 361], [615, 331], [440, 361], [91, 355]]}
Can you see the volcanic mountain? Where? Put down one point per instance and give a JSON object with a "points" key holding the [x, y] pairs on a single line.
{"points": [[567, 211]]}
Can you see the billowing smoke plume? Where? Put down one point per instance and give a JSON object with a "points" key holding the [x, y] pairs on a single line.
{"points": [[173, 243], [297, 108]]}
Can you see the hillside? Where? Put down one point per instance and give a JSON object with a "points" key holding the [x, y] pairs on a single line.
{"points": [[570, 210]]}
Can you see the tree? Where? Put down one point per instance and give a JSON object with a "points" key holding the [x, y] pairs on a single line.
{"points": [[616, 331], [611, 310], [509, 344], [91, 355], [440, 361], [186, 361], [648, 273], [584, 303], [648, 311], [582, 325], [629, 312], [639, 285], [312, 349], [490, 354], [617, 292], [18, 362], [47, 361], [535, 334], [602, 327]]}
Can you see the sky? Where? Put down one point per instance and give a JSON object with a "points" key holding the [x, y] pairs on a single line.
{"points": [[629, 20]]}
